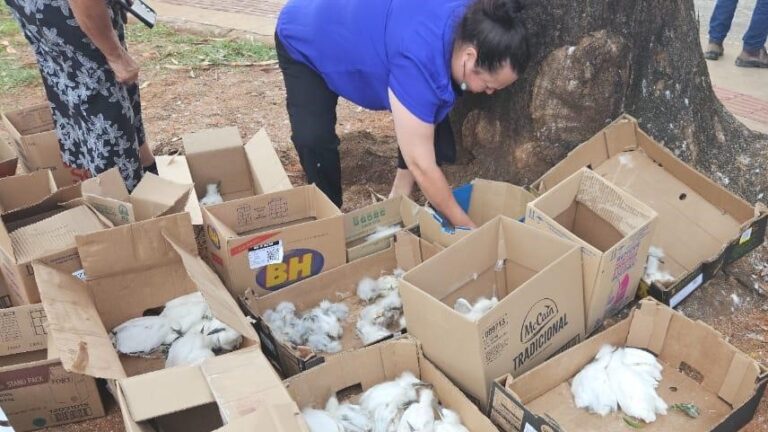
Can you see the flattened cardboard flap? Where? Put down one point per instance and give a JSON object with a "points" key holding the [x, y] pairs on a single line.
{"points": [[131, 248], [108, 184], [78, 333], [176, 169], [242, 381], [649, 326], [155, 196], [266, 168], [222, 305]]}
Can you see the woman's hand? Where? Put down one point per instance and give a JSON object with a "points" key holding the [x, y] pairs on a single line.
{"points": [[125, 68]]}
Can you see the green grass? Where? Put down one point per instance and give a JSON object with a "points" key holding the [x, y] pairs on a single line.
{"points": [[171, 48], [187, 50]]}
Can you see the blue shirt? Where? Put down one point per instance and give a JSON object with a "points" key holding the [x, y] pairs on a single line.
{"points": [[363, 47]]}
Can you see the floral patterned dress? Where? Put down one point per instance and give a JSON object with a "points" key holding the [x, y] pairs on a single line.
{"points": [[98, 120]]}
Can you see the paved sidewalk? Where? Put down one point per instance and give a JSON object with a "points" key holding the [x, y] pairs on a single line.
{"points": [[743, 91]]}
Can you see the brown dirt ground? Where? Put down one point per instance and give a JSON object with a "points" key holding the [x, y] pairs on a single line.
{"points": [[176, 102]]}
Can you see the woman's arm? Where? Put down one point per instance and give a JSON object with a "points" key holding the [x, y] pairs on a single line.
{"points": [[415, 139], [93, 18]]}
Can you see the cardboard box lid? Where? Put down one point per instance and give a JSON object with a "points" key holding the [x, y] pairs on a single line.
{"points": [[176, 169], [164, 243], [155, 196], [53, 234], [266, 168], [28, 334], [22, 191]]}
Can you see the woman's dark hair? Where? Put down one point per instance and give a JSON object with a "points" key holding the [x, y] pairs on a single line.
{"points": [[496, 29]]}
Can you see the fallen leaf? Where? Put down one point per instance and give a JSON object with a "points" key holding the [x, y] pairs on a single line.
{"points": [[10, 50], [144, 85]]}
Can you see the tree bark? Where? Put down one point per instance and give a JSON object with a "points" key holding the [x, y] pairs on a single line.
{"points": [[593, 60]]}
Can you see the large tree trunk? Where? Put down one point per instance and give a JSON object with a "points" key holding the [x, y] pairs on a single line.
{"points": [[593, 60]]}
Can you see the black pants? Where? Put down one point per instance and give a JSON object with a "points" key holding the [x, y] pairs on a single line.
{"points": [[312, 112]]}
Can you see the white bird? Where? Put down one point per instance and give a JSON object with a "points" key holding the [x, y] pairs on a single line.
{"points": [[281, 320], [321, 342], [352, 418], [383, 232], [319, 328], [449, 422], [591, 387], [339, 310], [143, 336], [419, 416], [212, 195], [398, 273], [370, 332], [320, 421], [474, 312], [624, 378], [186, 311], [634, 382], [191, 349], [221, 337], [653, 271], [367, 289], [385, 400]]}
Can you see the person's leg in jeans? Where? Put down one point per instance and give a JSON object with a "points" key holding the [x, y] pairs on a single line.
{"points": [[754, 53], [719, 25], [445, 152], [312, 113]]}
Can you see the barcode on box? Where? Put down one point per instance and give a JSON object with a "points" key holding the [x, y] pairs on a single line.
{"points": [[265, 254], [72, 414]]}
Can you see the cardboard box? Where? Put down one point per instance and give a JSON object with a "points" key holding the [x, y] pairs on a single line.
{"points": [[238, 386], [36, 392], [483, 200], [361, 223], [701, 226], [339, 284], [153, 197], [128, 270], [537, 278], [354, 372], [218, 156], [268, 242], [8, 158], [37, 145], [700, 367], [613, 229], [39, 227]]}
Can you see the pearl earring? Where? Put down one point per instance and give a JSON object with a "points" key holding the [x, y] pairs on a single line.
{"points": [[463, 86]]}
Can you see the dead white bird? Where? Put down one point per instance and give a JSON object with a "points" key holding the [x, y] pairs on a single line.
{"points": [[383, 232], [191, 349], [449, 422], [384, 401], [420, 416], [624, 378], [212, 195], [339, 310], [143, 336], [474, 312], [591, 387], [634, 378], [352, 418], [221, 337], [370, 332], [653, 271], [398, 273], [321, 342], [368, 289], [319, 328], [281, 320], [320, 421], [186, 311]]}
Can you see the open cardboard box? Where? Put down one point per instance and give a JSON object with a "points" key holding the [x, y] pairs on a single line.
{"points": [[37, 145], [153, 196], [701, 225], [8, 158], [361, 223], [219, 156], [339, 284], [40, 222], [271, 241], [614, 232], [349, 374], [37, 391], [700, 367], [129, 270], [483, 200], [537, 278]]}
